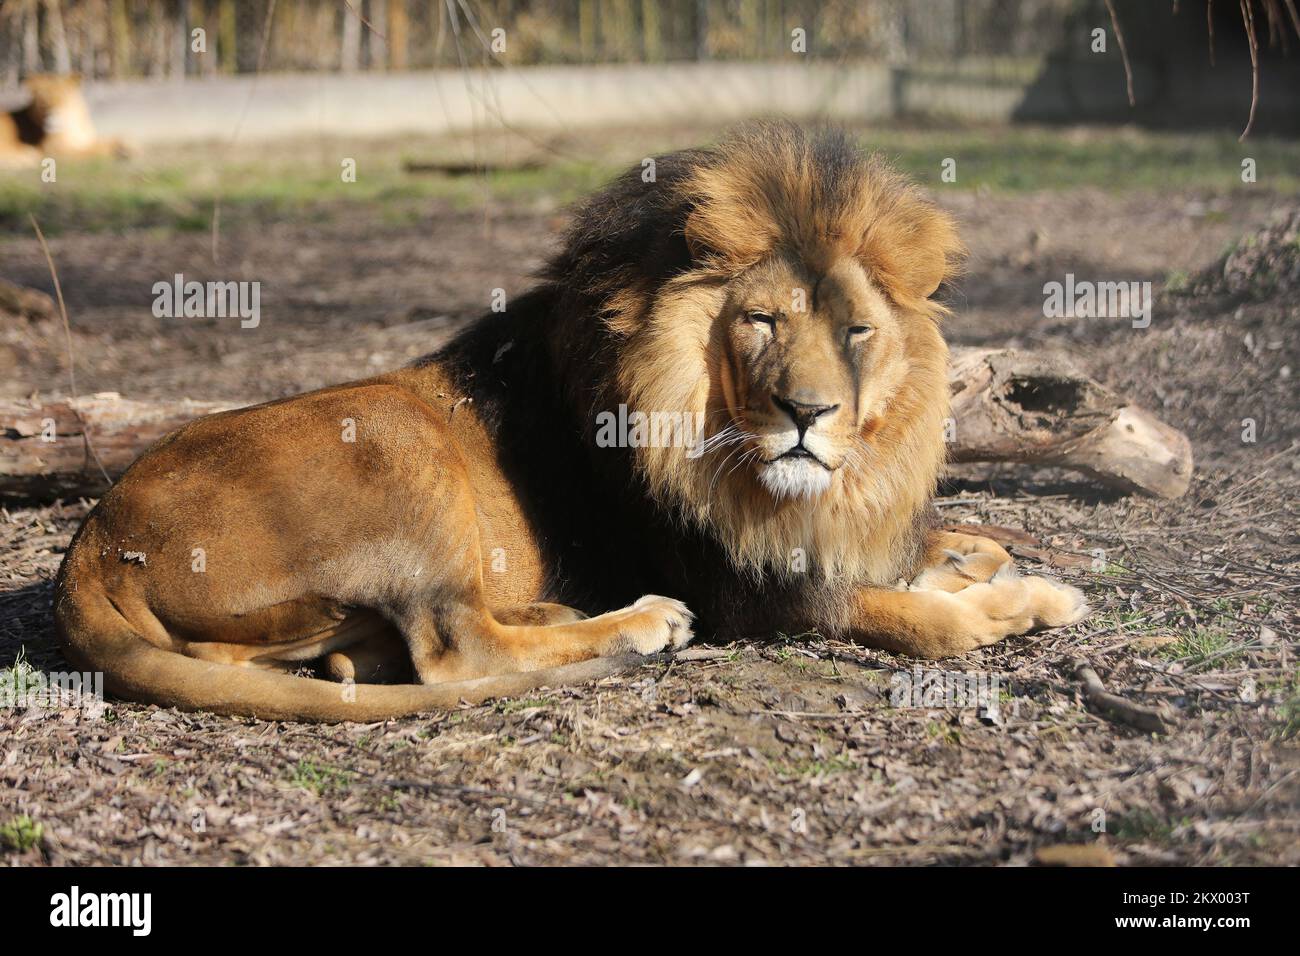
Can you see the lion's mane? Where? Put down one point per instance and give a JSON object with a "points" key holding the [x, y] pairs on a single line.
{"points": [[641, 277]]}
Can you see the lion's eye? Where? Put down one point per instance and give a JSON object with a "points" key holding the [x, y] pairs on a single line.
{"points": [[860, 333], [762, 318]]}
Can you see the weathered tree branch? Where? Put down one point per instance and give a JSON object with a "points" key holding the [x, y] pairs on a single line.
{"points": [[43, 450]]}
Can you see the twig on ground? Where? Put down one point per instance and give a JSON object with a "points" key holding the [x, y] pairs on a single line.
{"points": [[1111, 705]]}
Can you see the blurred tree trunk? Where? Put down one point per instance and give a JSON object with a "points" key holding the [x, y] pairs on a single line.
{"points": [[751, 28], [399, 29], [14, 54], [350, 53], [205, 64], [180, 39], [378, 39], [58, 38], [119, 28], [227, 36], [702, 48], [774, 31], [651, 40], [587, 30], [159, 48], [88, 27], [617, 28], [31, 38]]}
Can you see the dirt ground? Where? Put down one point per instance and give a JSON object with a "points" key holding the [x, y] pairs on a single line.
{"points": [[786, 752]]}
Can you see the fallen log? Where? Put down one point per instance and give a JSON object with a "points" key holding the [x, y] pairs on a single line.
{"points": [[45, 454], [1008, 406], [1039, 408]]}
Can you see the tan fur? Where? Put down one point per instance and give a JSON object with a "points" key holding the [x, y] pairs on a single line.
{"points": [[804, 319], [55, 123]]}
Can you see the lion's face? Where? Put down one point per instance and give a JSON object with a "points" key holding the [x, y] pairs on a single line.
{"points": [[786, 304], [809, 366]]}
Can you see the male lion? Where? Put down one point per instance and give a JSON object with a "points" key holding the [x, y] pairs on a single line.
{"points": [[777, 285]]}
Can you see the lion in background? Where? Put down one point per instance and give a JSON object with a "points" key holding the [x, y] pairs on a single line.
{"points": [[56, 122], [457, 524]]}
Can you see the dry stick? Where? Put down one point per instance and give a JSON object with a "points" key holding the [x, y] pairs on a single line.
{"points": [[1295, 16], [1123, 51], [67, 335], [1248, 18], [1111, 705], [1209, 26]]}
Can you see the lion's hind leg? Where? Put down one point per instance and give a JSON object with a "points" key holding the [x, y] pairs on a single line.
{"points": [[465, 640], [384, 658], [377, 659]]}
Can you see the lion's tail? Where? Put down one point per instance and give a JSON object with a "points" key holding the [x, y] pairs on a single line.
{"points": [[96, 637]]}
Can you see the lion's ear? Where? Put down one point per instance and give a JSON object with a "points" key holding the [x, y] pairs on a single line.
{"points": [[912, 250]]}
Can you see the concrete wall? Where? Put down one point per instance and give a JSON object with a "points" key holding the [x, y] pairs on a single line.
{"points": [[433, 102], [273, 106]]}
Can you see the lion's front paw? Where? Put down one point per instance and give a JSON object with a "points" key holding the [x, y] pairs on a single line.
{"points": [[654, 623], [1058, 604], [1011, 603]]}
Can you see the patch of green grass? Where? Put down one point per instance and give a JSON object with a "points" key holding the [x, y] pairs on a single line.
{"points": [[320, 779], [1127, 621], [20, 676], [1211, 639], [175, 188], [20, 834], [947, 734], [1288, 712], [513, 706], [178, 189], [1200, 644], [1034, 158], [1145, 826], [818, 767]]}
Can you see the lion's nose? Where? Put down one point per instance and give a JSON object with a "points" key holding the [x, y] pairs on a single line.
{"points": [[802, 413]]}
